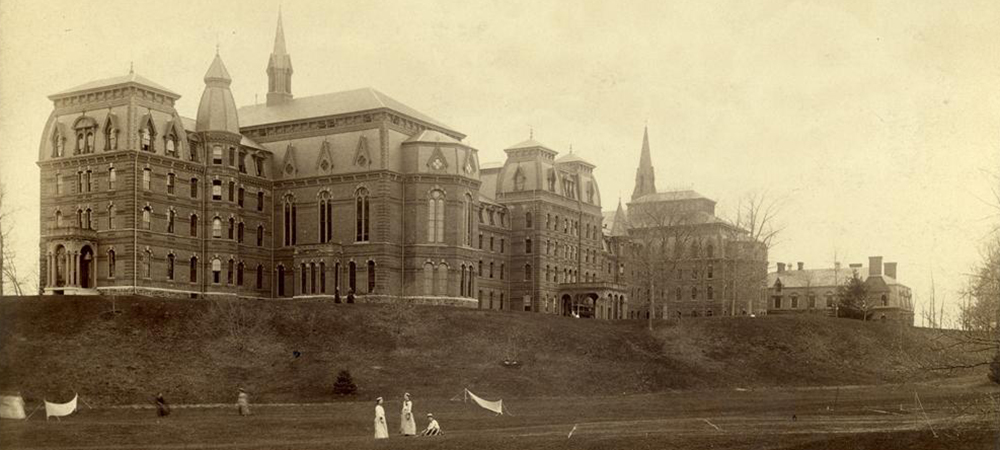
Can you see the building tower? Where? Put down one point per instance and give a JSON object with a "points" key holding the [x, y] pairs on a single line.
{"points": [[279, 70], [645, 179]]}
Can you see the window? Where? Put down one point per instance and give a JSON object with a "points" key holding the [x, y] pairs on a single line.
{"points": [[289, 215], [479, 271], [112, 179], [59, 184], [304, 273], [527, 220], [885, 300], [239, 274], [194, 225], [146, 256], [58, 144], [239, 232], [502, 242], [216, 189], [371, 276], [480, 241], [527, 245], [146, 213], [694, 293], [170, 183], [170, 144], [777, 302], [110, 135], [194, 188], [260, 235], [491, 269], [232, 156], [146, 137], [193, 152], [502, 270], [229, 272], [795, 301], [170, 220], [491, 243], [216, 227], [260, 200], [469, 223], [710, 251], [243, 162], [281, 281], [322, 277], [147, 173], [361, 215], [231, 229], [239, 197], [325, 207], [711, 272], [79, 182], [829, 300], [232, 188], [352, 276], [111, 263], [677, 293], [88, 180], [193, 274], [216, 270], [812, 301], [217, 154], [170, 267], [527, 272], [87, 220], [260, 277], [710, 293], [111, 217]]}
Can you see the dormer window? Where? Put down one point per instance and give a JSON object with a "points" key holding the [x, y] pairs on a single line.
{"points": [[146, 138], [170, 143], [58, 145]]}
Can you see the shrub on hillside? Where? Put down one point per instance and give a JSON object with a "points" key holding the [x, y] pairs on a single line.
{"points": [[995, 368], [344, 384]]}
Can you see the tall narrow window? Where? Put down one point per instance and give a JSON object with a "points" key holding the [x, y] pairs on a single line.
{"points": [[710, 293], [146, 213], [322, 277], [260, 277], [87, 219], [304, 278], [194, 225], [170, 183], [111, 263], [361, 213], [146, 137], [111, 217], [239, 274], [110, 135], [260, 235], [461, 286], [281, 281], [371, 276], [229, 272], [527, 272], [232, 228], [88, 180], [58, 144], [312, 278], [59, 184], [232, 188], [239, 232], [193, 270], [170, 267], [503, 268], [469, 220], [352, 276], [435, 217], [112, 179], [216, 189], [325, 223], [216, 227], [527, 220], [216, 270], [194, 188], [217, 154], [170, 220], [260, 200], [170, 144], [147, 174], [290, 225], [239, 196], [232, 156], [146, 257]]}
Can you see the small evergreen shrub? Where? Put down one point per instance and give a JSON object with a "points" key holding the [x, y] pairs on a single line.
{"points": [[344, 384]]}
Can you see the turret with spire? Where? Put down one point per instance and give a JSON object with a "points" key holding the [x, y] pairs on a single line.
{"points": [[645, 179], [217, 109], [279, 69]]}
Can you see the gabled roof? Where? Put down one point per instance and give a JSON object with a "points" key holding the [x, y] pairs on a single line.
{"points": [[433, 136], [357, 100], [530, 143], [571, 158], [671, 196], [131, 77]]}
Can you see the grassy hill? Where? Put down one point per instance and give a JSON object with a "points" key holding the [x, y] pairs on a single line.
{"points": [[199, 351]]}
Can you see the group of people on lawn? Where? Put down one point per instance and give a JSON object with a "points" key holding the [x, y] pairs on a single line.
{"points": [[407, 425]]}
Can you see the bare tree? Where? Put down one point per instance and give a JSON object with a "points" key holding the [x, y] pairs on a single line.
{"points": [[8, 268], [754, 232], [660, 233]]}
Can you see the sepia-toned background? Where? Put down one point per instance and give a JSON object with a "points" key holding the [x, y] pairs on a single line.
{"points": [[877, 123]]}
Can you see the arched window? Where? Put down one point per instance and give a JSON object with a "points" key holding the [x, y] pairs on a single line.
{"points": [[87, 223], [527, 220], [230, 231], [435, 217], [710, 293], [216, 227], [146, 213], [216, 270], [147, 175], [171, 214], [503, 268], [371, 276], [239, 274], [479, 270], [229, 272], [885, 300], [677, 293], [469, 220], [260, 235], [694, 293], [710, 273], [111, 263], [58, 144], [146, 257], [527, 245], [170, 267], [194, 188], [325, 218], [112, 179], [194, 225], [710, 251], [290, 220], [322, 277], [110, 134], [491, 269], [193, 270], [80, 143], [795, 301], [170, 144], [260, 277], [429, 278], [527, 272], [89, 146], [146, 137], [59, 218], [361, 215], [239, 232]]}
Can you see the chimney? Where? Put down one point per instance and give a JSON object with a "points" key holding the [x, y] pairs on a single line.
{"points": [[874, 266], [781, 267], [802, 265], [890, 270], [856, 268]]}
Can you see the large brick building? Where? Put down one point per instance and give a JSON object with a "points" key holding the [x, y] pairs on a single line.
{"points": [[301, 197]]}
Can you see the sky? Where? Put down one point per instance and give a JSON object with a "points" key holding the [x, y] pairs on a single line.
{"points": [[873, 122]]}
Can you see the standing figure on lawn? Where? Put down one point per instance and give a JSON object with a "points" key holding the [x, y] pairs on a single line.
{"points": [[381, 429], [407, 426], [162, 408], [243, 403]]}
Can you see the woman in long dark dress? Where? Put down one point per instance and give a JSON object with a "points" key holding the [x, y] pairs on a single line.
{"points": [[162, 408]]}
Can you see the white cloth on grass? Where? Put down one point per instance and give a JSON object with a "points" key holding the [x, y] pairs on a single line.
{"points": [[11, 407], [60, 409], [496, 406]]}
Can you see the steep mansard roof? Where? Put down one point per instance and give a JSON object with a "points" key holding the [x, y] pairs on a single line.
{"points": [[130, 78]]}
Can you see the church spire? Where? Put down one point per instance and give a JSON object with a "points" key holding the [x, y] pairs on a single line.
{"points": [[645, 179], [279, 69]]}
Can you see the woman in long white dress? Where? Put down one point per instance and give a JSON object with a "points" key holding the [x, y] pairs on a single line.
{"points": [[407, 426], [381, 430]]}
